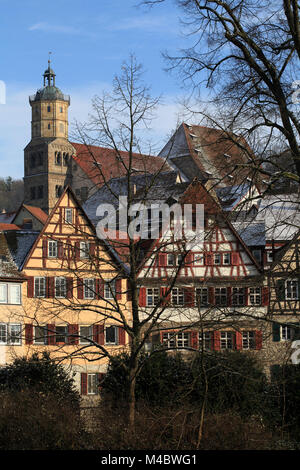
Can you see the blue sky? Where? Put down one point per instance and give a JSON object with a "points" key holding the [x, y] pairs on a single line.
{"points": [[89, 41]]}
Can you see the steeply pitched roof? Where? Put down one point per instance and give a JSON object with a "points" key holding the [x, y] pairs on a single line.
{"points": [[37, 212], [8, 227], [101, 164], [20, 243], [209, 153]]}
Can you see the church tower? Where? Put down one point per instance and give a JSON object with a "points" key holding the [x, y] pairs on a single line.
{"points": [[48, 155]]}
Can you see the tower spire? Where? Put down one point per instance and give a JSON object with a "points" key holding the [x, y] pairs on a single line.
{"points": [[49, 75]]}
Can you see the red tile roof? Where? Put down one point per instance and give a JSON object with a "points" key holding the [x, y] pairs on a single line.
{"points": [[101, 164], [37, 212], [219, 153], [8, 227]]}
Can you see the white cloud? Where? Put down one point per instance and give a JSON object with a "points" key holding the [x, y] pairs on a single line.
{"points": [[148, 24], [56, 28]]}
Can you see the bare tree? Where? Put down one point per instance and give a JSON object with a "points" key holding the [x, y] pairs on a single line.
{"points": [[247, 54]]}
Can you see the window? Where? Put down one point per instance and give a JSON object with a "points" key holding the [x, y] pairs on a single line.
{"points": [[48, 109], [49, 126], [111, 335], [287, 332], [40, 192], [152, 296], [226, 340], [52, 249], [58, 190], [89, 288], [248, 338], [109, 290], [255, 295], [257, 255], [92, 384], [170, 259], [238, 296], [291, 290], [179, 340], [39, 287], [60, 287], [57, 157], [205, 337], [177, 296], [60, 334], [10, 333], [86, 334], [84, 250], [180, 259], [40, 335], [198, 259], [32, 193], [61, 109], [10, 293], [32, 160], [217, 258], [69, 215], [269, 256], [221, 296], [201, 296], [65, 159], [226, 259]]}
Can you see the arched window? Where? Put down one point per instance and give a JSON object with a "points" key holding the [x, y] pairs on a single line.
{"points": [[58, 190], [66, 159], [57, 156], [32, 160]]}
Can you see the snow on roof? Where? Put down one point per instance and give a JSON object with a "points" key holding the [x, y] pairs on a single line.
{"points": [[19, 244], [281, 214]]}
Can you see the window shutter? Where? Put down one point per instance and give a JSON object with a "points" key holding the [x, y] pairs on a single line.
{"points": [[98, 334], [194, 339], [276, 331], [258, 339], [30, 286], [50, 286], [80, 288], [163, 291], [60, 249], [189, 259], [121, 336], [28, 333], [235, 258], [128, 294], [69, 287], [280, 290], [239, 340], [77, 250], [118, 289], [209, 259], [83, 383], [189, 297], [142, 297], [73, 331], [265, 296], [216, 340], [45, 248], [100, 288], [162, 259], [51, 334]]}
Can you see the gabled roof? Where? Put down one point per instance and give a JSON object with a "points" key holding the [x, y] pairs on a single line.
{"points": [[109, 249], [36, 212], [101, 164], [209, 153], [8, 268]]}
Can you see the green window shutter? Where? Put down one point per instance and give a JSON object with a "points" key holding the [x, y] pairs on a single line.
{"points": [[276, 331], [280, 290]]}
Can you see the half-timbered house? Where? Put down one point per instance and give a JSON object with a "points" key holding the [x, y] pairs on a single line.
{"points": [[71, 300]]}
